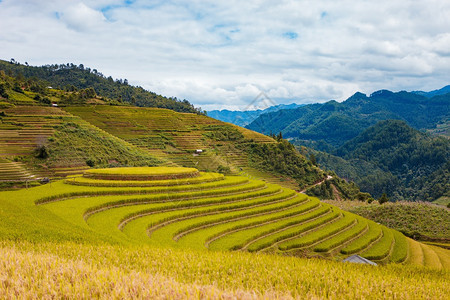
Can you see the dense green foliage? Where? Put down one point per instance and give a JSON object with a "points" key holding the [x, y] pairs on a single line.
{"points": [[357, 140], [337, 188], [86, 83], [417, 220], [283, 158], [393, 158]]}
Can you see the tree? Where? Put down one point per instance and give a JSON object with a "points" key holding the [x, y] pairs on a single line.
{"points": [[41, 152], [383, 199], [3, 91], [312, 158], [279, 136]]}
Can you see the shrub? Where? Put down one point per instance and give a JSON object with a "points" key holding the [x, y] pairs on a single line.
{"points": [[223, 169], [383, 199], [90, 162], [41, 152]]}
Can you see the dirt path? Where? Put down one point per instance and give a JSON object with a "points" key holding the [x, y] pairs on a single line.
{"points": [[320, 182]]}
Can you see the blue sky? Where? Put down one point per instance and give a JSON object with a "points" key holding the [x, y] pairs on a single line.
{"points": [[223, 54]]}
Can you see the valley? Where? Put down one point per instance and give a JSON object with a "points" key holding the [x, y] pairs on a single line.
{"points": [[193, 205]]}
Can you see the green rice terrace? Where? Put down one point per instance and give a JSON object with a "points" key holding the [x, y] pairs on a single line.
{"points": [[74, 139], [183, 208]]}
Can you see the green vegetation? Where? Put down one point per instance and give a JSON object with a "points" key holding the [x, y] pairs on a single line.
{"points": [[282, 158], [328, 126], [422, 221], [374, 232], [400, 251], [338, 240], [110, 231], [337, 188], [83, 83], [391, 157], [202, 178], [383, 247], [222, 145], [339, 225], [142, 173], [445, 201], [368, 140], [78, 143]]}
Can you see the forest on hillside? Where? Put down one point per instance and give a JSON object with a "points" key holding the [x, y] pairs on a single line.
{"points": [[393, 158], [328, 126], [72, 78]]}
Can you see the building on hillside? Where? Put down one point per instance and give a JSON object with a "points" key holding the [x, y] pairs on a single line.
{"points": [[359, 260]]}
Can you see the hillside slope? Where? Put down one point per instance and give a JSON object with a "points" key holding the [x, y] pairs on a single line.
{"points": [[71, 78], [421, 221], [51, 142], [334, 123], [391, 157], [224, 147]]}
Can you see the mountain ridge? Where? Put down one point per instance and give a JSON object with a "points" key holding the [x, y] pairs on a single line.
{"points": [[391, 157], [318, 122], [243, 118]]}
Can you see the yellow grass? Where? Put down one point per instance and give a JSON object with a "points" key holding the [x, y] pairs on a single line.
{"points": [[28, 275], [70, 270]]}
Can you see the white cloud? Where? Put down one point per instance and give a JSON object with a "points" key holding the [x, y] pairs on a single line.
{"points": [[223, 53], [82, 18]]}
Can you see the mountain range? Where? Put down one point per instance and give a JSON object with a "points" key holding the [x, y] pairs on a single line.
{"points": [[378, 141], [245, 117], [331, 124]]}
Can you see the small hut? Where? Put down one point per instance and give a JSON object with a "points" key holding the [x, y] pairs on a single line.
{"points": [[359, 260]]}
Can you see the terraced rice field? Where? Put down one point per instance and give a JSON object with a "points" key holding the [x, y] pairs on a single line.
{"points": [[170, 135], [13, 171], [183, 208], [25, 127], [22, 129]]}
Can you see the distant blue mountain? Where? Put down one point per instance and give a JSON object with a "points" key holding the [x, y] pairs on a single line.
{"points": [[243, 118], [443, 91]]}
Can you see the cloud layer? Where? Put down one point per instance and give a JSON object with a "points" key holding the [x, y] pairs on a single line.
{"points": [[222, 54]]}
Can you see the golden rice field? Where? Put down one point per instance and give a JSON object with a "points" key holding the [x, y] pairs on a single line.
{"points": [[70, 270], [91, 236]]}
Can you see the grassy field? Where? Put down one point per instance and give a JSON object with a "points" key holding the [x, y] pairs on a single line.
{"points": [[443, 201]]}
